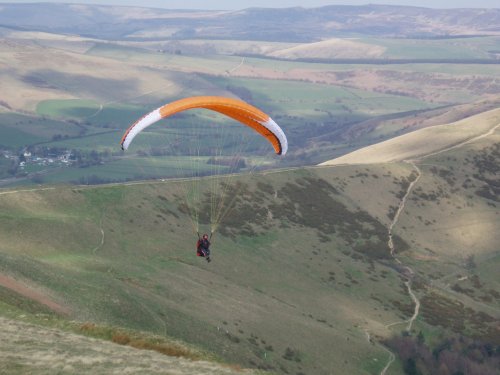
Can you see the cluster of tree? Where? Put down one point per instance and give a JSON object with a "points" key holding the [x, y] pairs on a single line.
{"points": [[154, 151], [457, 355], [3, 103], [13, 167], [94, 180], [84, 159], [59, 137]]}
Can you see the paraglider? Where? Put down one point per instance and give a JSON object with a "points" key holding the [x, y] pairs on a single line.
{"points": [[238, 110], [203, 247], [234, 108]]}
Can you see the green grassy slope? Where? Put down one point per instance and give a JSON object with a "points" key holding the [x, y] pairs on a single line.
{"points": [[301, 266], [145, 275]]}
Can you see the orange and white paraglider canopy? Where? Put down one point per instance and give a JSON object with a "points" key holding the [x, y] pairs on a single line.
{"points": [[234, 108]]}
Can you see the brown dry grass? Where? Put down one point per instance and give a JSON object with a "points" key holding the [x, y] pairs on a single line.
{"points": [[331, 48], [34, 73], [139, 341], [31, 349]]}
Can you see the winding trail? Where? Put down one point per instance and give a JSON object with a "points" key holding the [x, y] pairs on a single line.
{"points": [[392, 358], [401, 207], [409, 272], [417, 305]]}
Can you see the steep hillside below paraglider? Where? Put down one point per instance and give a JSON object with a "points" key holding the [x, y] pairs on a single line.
{"points": [[301, 261]]}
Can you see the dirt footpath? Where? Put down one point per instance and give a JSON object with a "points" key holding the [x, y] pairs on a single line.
{"points": [[28, 292]]}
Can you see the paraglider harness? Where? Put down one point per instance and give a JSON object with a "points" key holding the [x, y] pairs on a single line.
{"points": [[203, 247]]}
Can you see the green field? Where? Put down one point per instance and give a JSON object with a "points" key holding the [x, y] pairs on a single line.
{"points": [[160, 284], [303, 98], [89, 113], [137, 168], [13, 138], [457, 48], [18, 130], [76, 108]]}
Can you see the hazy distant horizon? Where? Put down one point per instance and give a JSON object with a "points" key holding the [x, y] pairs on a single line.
{"points": [[242, 4]]}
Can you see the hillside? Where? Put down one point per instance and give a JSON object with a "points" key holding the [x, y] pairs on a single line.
{"points": [[424, 142], [100, 251], [162, 286], [331, 49]]}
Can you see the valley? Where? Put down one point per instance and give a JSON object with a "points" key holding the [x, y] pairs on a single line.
{"points": [[371, 247]]}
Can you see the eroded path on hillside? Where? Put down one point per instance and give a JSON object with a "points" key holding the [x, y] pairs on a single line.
{"points": [[408, 273], [392, 358], [29, 292]]}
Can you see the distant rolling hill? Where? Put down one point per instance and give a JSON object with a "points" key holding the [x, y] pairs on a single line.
{"points": [[291, 24], [331, 49]]}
